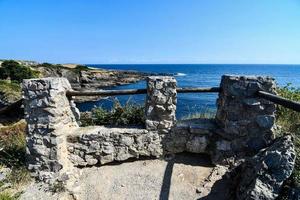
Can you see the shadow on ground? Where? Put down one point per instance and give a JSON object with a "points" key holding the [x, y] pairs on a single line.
{"points": [[182, 158]]}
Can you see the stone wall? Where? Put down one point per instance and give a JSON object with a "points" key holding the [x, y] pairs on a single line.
{"points": [[190, 136], [161, 103], [49, 116], [55, 144], [100, 145], [246, 122]]}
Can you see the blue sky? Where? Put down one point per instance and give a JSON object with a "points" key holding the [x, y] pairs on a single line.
{"points": [[151, 31]]}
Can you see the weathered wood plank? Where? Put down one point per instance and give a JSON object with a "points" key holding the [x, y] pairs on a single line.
{"points": [[280, 100], [106, 92], [198, 90], [137, 91]]}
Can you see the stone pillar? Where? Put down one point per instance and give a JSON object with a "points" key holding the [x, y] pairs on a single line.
{"points": [[247, 121], [49, 115], [161, 103]]}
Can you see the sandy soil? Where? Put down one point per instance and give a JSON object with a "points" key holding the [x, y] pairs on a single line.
{"points": [[145, 179], [178, 178]]}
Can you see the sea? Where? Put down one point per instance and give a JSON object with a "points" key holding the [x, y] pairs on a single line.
{"points": [[194, 75]]}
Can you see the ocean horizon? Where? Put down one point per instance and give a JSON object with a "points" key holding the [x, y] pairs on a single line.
{"points": [[195, 75]]}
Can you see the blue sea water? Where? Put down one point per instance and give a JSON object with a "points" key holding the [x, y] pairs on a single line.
{"points": [[197, 75]]}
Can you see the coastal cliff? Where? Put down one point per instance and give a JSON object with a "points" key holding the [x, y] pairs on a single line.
{"points": [[83, 77], [80, 77]]}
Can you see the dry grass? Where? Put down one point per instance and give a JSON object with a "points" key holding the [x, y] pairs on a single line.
{"points": [[12, 156], [10, 91]]}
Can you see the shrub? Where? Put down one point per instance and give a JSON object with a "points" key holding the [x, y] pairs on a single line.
{"points": [[16, 72], [49, 65], [129, 114], [289, 121], [80, 68]]}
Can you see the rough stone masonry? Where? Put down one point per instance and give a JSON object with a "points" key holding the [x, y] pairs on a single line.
{"points": [[56, 145], [246, 122], [50, 116]]}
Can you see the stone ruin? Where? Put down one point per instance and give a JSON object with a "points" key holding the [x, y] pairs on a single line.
{"points": [[243, 127]]}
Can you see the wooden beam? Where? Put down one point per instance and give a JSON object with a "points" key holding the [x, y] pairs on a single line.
{"points": [[280, 100], [106, 92], [136, 91], [198, 90]]}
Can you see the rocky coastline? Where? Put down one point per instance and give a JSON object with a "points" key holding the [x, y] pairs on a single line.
{"points": [[92, 79], [82, 78]]}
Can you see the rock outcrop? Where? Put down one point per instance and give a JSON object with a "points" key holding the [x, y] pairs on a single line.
{"points": [[262, 176], [92, 78]]}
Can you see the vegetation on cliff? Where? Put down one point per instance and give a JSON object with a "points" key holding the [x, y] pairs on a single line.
{"points": [[12, 160], [9, 91], [14, 71], [289, 122]]}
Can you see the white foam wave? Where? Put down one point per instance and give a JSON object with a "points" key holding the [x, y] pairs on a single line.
{"points": [[180, 74]]}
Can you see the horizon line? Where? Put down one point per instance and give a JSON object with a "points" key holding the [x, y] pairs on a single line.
{"points": [[38, 61]]}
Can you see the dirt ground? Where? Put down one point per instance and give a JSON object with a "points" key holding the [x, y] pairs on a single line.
{"points": [[146, 179], [177, 178]]}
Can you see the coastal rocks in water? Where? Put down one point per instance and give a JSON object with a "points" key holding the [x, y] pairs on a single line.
{"points": [[92, 78], [262, 176]]}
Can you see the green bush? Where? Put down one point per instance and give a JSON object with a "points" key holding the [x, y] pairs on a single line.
{"points": [[16, 72], [49, 65], [129, 114], [80, 68], [289, 121]]}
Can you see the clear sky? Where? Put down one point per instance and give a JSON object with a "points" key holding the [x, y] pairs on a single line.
{"points": [[151, 31]]}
